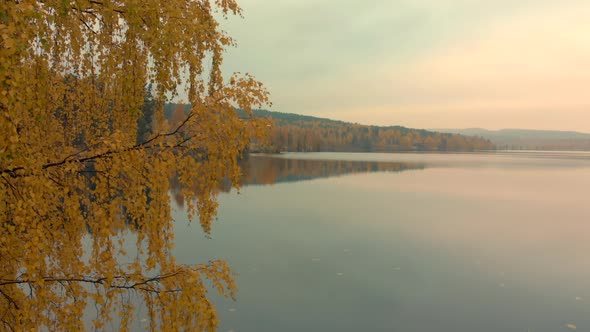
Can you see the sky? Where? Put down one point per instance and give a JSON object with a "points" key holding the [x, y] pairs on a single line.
{"points": [[421, 63]]}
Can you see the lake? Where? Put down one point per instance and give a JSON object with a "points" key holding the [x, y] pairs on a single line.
{"points": [[403, 242]]}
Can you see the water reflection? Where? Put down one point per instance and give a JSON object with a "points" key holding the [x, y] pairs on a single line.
{"points": [[273, 169], [265, 170], [487, 242], [260, 169]]}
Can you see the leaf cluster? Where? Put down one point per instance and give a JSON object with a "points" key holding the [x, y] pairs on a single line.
{"points": [[84, 161]]}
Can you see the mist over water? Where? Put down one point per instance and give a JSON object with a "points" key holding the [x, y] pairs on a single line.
{"points": [[404, 242]]}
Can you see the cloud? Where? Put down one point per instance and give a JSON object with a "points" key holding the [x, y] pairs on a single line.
{"points": [[528, 71], [494, 64]]}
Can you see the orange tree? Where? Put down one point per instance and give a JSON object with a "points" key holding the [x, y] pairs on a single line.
{"points": [[74, 173]]}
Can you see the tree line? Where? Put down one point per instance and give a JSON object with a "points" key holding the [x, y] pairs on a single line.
{"points": [[300, 133], [295, 133]]}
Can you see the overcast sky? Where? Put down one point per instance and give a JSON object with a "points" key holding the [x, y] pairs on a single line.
{"points": [[421, 63]]}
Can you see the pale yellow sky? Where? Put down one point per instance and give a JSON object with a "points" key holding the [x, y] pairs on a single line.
{"points": [[422, 63]]}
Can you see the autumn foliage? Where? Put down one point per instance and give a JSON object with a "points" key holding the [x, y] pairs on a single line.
{"points": [[297, 133], [82, 160]]}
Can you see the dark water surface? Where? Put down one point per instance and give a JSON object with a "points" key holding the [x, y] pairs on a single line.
{"points": [[404, 242]]}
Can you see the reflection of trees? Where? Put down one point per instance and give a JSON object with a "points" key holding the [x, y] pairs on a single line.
{"points": [[266, 170], [269, 170]]}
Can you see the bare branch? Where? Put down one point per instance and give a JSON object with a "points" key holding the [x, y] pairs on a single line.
{"points": [[122, 282], [12, 172], [10, 300]]}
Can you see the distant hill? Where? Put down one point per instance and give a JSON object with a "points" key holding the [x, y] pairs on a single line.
{"points": [[529, 139], [282, 118], [285, 118], [504, 135], [302, 133]]}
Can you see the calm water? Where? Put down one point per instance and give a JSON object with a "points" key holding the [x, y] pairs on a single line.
{"points": [[404, 242]]}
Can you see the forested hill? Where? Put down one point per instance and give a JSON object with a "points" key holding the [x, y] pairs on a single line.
{"points": [[302, 133], [526, 139], [286, 118]]}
